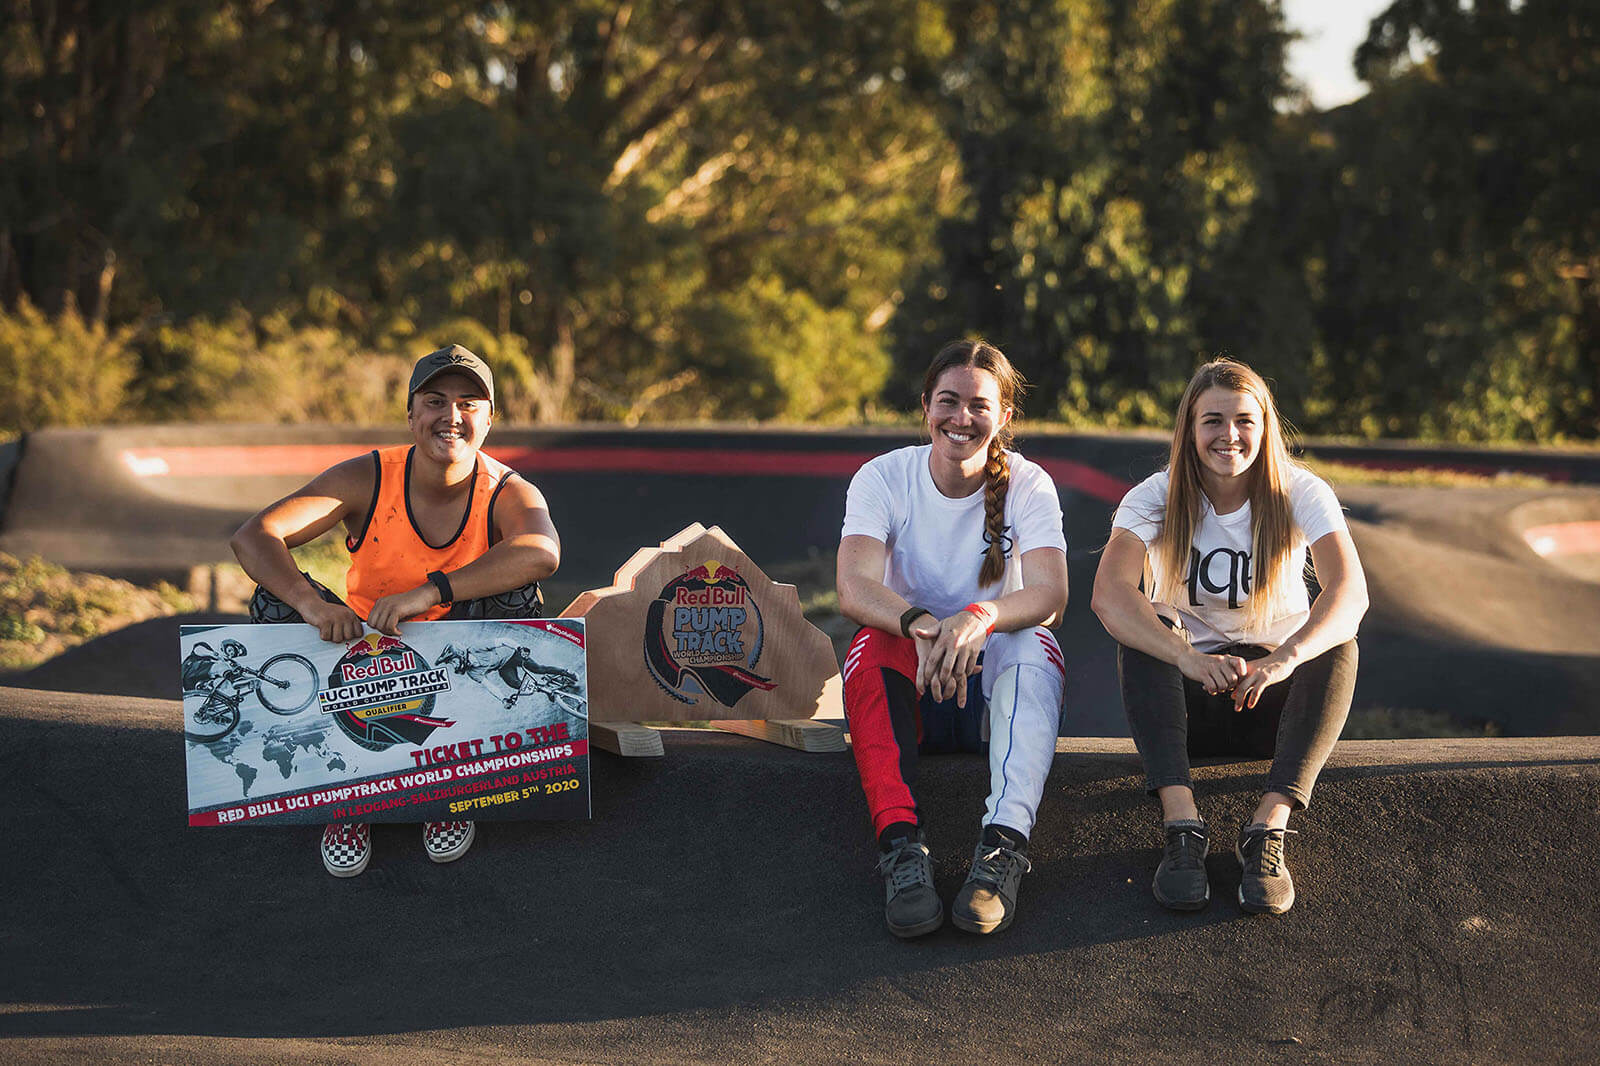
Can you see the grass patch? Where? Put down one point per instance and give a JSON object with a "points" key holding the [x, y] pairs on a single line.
{"points": [[46, 609], [326, 560], [1420, 477], [1386, 723]]}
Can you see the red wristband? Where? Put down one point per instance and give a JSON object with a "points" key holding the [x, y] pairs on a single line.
{"points": [[988, 616]]}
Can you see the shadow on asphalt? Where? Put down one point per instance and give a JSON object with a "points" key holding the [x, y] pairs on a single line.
{"points": [[722, 904], [726, 873]]}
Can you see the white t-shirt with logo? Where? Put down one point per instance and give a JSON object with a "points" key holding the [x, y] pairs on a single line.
{"points": [[1217, 584], [935, 543]]}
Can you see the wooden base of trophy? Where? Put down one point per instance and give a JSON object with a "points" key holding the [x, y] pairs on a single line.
{"points": [[626, 738], [802, 734], [694, 631]]}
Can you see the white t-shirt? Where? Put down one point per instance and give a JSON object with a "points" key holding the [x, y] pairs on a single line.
{"points": [[1217, 585], [935, 543]]}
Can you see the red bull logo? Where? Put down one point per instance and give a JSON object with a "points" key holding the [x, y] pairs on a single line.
{"points": [[711, 572], [381, 692], [703, 636], [373, 644], [710, 585]]}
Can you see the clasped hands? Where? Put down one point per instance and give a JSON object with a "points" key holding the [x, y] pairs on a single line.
{"points": [[947, 653], [1247, 679]]}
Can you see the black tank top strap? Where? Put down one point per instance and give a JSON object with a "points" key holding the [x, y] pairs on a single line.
{"points": [[505, 479], [351, 543]]}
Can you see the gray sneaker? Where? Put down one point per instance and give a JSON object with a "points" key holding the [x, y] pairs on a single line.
{"points": [[911, 907], [988, 900], [1180, 882], [1266, 887]]}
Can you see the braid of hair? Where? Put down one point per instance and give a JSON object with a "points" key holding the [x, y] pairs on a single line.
{"points": [[997, 480]]}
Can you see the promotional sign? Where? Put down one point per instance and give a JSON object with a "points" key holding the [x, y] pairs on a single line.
{"points": [[451, 721]]}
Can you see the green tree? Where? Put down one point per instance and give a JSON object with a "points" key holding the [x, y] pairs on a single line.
{"points": [[1114, 158], [1477, 157]]}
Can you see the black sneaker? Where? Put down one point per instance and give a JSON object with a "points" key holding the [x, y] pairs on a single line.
{"points": [[1180, 881], [988, 900], [911, 906], [1266, 887]]}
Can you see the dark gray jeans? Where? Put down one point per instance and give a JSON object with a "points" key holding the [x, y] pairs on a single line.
{"points": [[1295, 722]]}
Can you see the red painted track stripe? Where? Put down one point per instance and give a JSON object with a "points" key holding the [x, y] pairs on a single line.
{"points": [[264, 460], [1086, 479], [1564, 538], [305, 460]]}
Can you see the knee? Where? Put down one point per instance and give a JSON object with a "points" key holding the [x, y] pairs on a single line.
{"points": [[267, 609], [1034, 647], [1339, 661], [524, 601], [1033, 687], [872, 650]]}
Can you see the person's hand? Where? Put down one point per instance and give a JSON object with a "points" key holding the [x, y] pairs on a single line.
{"points": [[1260, 675], [952, 656], [335, 622], [387, 614], [924, 634], [1218, 673]]}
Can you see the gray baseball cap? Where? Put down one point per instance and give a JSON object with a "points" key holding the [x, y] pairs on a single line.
{"points": [[455, 358]]}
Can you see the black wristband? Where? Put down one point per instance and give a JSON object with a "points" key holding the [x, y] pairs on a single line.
{"points": [[910, 616], [442, 583]]}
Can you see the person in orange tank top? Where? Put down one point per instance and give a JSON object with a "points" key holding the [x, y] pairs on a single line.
{"points": [[436, 529]]}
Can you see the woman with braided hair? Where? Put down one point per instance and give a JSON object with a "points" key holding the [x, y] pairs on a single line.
{"points": [[953, 561]]}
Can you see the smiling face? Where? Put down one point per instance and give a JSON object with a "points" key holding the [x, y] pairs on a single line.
{"points": [[964, 412], [1227, 433], [449, 418]]}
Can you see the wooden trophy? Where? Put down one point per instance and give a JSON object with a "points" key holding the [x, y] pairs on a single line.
{"points": [[694, 630]]}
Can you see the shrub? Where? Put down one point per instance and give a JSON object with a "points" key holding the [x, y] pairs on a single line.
{"points": [[60, 371]]}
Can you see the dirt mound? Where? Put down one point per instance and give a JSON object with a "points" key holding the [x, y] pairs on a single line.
{"points": [[140, 660], [1564, 531], [1466, 618]]}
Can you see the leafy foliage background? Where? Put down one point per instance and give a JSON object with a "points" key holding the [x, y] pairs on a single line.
{"points": [[749, 211]]}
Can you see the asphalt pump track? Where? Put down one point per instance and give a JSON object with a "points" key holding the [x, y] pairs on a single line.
{"points": [[722, 906]]}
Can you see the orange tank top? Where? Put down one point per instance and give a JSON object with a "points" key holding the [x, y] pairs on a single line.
{"points": [[388, 554]]}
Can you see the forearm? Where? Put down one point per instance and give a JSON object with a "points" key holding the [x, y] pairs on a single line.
{"points": [[1032, 605], [267, 561], [1333, 620], [512, 563], [867, 602], [1132, 621]]}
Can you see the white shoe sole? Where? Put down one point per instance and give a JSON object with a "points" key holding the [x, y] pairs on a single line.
{"points": [[456, 852], [349, 871]]}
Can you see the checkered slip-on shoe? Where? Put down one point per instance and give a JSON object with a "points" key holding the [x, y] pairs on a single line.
{"points": [[346, 848], [447, 841]]}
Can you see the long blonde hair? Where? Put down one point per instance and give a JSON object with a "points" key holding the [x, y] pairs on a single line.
{"points": [[1272, 529], [997, 467]]}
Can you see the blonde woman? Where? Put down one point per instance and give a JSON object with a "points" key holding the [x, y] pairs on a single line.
{"points": [[1226, 654], [953, 561]]}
